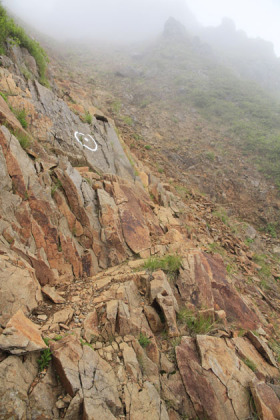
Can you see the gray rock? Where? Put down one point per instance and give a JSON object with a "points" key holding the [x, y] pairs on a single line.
{"points": [[16, 377]]}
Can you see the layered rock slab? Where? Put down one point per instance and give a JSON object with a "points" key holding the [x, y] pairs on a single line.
{"points": [[217, 379], [202, 282], [21, 336], [18, 286], [82, 369]]}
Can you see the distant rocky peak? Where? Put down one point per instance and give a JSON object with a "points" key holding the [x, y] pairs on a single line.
{"points": [[174, 29]]}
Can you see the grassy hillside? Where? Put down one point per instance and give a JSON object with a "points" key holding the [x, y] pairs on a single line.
{"points": [[10, 30], [186, 75]]}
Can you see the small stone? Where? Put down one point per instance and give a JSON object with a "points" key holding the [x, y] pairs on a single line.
{"points": [[122, 346], [98, 345], [109, 357], [67, 399], [60, 404], [64, 327], [52, 294], [42, 317], [115, 346], [128, 338]]}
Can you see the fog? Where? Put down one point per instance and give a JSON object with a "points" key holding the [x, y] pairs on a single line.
{"points": [[130, 20]]}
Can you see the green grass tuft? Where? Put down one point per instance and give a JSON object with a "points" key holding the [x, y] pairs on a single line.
{"points": [[55, 187], [250, 364], [4, 96], [196, 323], [45, 359], [143, 340], [170, 264], [21, 116], [23, 139], [87, 117]]}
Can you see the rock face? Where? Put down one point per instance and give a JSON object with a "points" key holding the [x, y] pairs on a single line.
{"points": [[218, 385], [21, 336], [203, 282], [19, 287], [81, 369], [74, 224]]}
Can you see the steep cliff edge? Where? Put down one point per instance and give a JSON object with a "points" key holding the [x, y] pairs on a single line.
{"points": [[173, 337]]}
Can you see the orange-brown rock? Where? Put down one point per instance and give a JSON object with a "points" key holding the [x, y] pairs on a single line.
{"points": [[21, 336], [203, 282], [266, 401]]}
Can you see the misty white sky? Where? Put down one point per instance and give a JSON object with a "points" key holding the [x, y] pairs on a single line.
{"points": [[135, 19]]}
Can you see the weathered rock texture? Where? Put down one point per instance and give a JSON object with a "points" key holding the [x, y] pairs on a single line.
{"points": [[77, 225]]}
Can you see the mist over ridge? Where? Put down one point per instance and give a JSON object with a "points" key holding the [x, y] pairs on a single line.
{"points": [[126, 21]]}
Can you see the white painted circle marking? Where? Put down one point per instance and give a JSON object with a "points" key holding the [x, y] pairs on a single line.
{"points": [[85, 137]]}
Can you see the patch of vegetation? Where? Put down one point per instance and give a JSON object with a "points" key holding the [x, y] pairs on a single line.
{"points": [[210, 156], [271, 229], [159, 169], [26, 73], [169, 264], [275, 346], [85, 343], [172, 352], [45, 359], [55, 187], [148, 147], [10, 30], [23, 139], [136, 136], [127, 120], [87, 118], [4, 96], [116, 107], [249, 241], [265, 271], [143, 340], [58, 337], [241, 332], [182, 191], [251, 365], [21, 116], [221, 213], [217, 249], [196, 323]]}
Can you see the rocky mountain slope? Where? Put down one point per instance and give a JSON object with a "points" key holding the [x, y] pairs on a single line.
{"points": [[120, 298], [175, 103]]}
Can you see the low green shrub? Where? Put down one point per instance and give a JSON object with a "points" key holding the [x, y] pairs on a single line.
{"points": [[45, 359], [21, 116], [143, 340], [87, 118]]}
